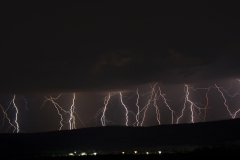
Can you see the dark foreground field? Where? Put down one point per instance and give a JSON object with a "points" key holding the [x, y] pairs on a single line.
{"points": [[177, 156], [199, 153], [215, 139]]}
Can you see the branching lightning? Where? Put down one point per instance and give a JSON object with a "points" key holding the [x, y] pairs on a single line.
{"points": [[147, 105], [233, 115], [71, 112], [135, 111], [165, 101], [103, 118], [155, 98], [6, 116], [103, 110], [15, 125], [192, 105], [57, 106]]}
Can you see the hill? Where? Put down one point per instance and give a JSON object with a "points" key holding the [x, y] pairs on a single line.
{"points": [[119, 138]]}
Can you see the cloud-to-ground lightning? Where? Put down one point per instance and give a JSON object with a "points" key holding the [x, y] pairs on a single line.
{"points": [[144, 109], [125, 107], [103, 117], [233, 115], [71, 112], [192, 105], [16, 115], [57, 108], [207, 99], [72, 124], [15, 125], [165, 101], [6, 116], [155, 98], [103, 110], [184, 107], [136, 110]]}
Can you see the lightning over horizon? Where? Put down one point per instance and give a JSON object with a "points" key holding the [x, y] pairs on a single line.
{"points": [[78, 64], [138, 109]]}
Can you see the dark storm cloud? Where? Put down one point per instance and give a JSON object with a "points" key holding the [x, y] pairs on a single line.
{"points": [[76, 46], [112, 59]]}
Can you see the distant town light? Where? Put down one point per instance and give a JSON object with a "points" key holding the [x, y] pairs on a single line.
{"points": [[147, 152], [83, 154], [70, 154], [135, 152], [123, 152], [75, 152], [94, 153], [159, 152]]}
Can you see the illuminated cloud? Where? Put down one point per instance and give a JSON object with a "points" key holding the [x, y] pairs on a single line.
{"points": [[119, 58]]}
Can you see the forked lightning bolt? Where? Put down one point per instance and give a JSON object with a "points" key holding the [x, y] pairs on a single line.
{"points": [[155, 98], [71, 112], [192, 105], [165, 101], [57, 108], [16, 126], [147, 105], [6, 116], [103, 110], [197, 110], [233, 115]]}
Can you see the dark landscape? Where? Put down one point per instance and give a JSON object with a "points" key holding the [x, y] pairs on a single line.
{"points": [[220, 137], [126, 79]]}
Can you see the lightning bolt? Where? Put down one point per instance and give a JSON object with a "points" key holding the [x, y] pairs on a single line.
{"points": [[192, 105], [226, 90], [197, 111], [72, 124], [205, 108], [16, 126], [16, 115], [103, 118], [207, 99], [71, 112], [6, 116], [137, 115], [165, 101], [57, 106], [144, 109], [233, 116], [103, 110], [155, 105], [125, 108], [184, 107]]}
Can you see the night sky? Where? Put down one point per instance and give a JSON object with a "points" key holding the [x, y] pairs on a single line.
{"points": [[93, 48]]}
